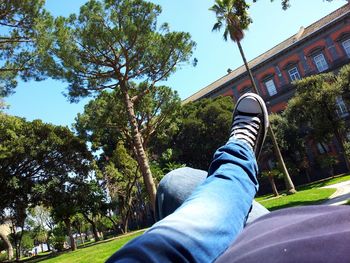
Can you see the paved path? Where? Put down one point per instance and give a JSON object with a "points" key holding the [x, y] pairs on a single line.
{"points": [[340, 196]]}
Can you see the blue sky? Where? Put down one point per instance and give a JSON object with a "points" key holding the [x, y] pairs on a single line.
{"points": [[271, 25]]}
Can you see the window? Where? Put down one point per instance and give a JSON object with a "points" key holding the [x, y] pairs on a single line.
{"points": [[271, 164], [294, 74], [322, 148], [341, 107], [271, 88], [346, 46], [320, 62]]}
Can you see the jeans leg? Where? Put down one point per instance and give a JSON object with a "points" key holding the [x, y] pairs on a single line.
{"points": [[209, 220], [177, 185]]}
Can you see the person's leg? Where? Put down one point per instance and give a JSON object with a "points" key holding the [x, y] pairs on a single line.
{"points": [[208, 221], [177, 185], [211, 218]]}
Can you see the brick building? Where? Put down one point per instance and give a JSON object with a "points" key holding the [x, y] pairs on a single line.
{"points": [[321, 47]]}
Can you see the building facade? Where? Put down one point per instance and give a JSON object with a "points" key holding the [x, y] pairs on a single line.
{"points": [[321, 47]]}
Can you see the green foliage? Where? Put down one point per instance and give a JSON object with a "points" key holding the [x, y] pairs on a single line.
{"points": [[27, 242], [39, 235], [110, 45], [121, 173], [105, 119], [314, 103], [288, 134], [203, 127], [233, 16], [58, 238], [40, 164], [327, 161], [343, 80], [121, 177], [112, 42], [20, 23], [347, 148], [291, 141], [3, 256], [274, 173], [314, 108], [32, 154], [104, 123]]}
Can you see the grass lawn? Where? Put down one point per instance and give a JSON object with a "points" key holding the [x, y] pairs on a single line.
{"points": [[326, 182], [94, 253], [100, 252], [302, 197], [318, 184]]}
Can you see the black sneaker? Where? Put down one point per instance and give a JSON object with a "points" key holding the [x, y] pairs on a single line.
{"points": [[250, 121]]}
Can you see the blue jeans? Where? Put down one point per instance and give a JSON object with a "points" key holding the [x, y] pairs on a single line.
{"points": [[178, 185], [210, 219]]}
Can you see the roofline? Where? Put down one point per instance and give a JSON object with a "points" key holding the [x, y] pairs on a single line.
{"points": [[296, 43]]}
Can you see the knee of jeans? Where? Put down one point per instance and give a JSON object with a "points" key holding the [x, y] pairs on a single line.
{"points": [[174, 188], [169, 177]]}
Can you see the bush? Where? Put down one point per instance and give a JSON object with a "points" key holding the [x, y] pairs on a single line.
{"points": [[58, 242], [27, 243], [347, 148], [3, 257], [58, 238]]}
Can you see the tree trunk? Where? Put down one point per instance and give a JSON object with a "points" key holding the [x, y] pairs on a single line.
{"points": [[17, 241], [8, 245], [94, 228], [140, 153], [307, 176], [342, 148], [48, 245], [126, 218], [81, 238], [19, 245], [70, 234], [115, 225], [273, 185], [95, 232], [288, 181]]}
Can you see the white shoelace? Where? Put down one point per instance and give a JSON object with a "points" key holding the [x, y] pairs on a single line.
{"points": [[246, 128]]}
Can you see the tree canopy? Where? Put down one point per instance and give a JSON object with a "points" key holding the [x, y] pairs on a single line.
{"points": [[315, 106], [21, 22], [34, 156], [233, 16], [104, 121], [111, 45], [203, 127], [113, 42]]}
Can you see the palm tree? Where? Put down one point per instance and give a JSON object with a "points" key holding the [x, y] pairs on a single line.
{"points": [[233, 16]]}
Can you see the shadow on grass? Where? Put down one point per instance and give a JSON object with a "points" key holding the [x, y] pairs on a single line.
{"points": [[297, 203], [324, 182]]}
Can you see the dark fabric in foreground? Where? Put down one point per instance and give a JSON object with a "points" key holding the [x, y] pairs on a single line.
{"points": [[304, 234]]}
